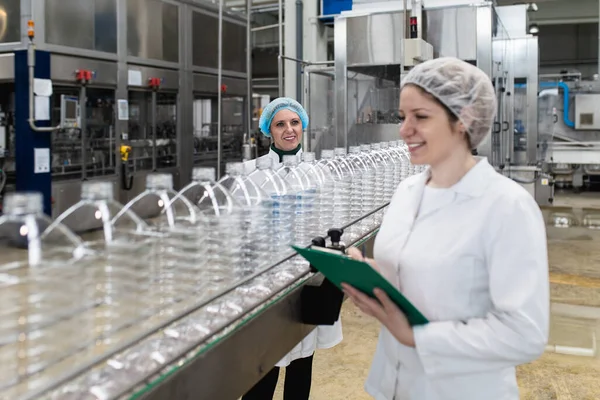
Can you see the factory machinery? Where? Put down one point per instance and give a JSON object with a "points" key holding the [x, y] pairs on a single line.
{"points": [[570, 130], [129, 87], [356, 99]]}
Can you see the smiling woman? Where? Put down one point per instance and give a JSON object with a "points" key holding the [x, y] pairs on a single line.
{"points": [[466, 245], [284, 120]]}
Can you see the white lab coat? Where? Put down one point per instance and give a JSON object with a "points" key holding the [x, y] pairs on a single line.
{"points": [[476, 266], [322, 337]]}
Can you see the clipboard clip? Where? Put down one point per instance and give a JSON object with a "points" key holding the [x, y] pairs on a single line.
{"points": [[322, 304]]}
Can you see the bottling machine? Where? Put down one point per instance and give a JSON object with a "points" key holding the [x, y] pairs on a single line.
{"points": [[134, 70]]}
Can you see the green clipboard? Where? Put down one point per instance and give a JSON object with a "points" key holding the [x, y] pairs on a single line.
{"points": [[339, 268]]}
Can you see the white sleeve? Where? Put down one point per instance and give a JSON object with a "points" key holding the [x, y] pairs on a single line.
{"points": [[515, 331]]}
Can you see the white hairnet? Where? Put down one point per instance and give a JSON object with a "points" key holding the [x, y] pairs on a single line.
{"points": [[281, 103], [465, 89]]}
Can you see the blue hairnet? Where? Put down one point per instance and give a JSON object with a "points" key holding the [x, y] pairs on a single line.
{"points": [[281, 103]]}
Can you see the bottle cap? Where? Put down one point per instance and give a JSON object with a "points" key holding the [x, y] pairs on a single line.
{"points": [[159, 181], [97, 191], [23, 203]]}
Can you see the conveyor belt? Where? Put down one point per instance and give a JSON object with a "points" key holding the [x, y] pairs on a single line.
{"points": [[239, 333]]}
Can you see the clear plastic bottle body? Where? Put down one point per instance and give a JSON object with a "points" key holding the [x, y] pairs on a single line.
{"points": [[121, 272], [341, 189], [385, 164], [303, 196], [403, 155], [355, 177], [174, 220], [322, 181], [256, 206], [41, 283], [361, 199], [372, 180], [222, 218], [388, 148], [283, 206]]}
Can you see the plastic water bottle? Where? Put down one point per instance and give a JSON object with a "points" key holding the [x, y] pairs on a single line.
{"points": [[361, 197], [255, 207], [28, 235], [373, 180], [177, 263], [42, 283], [323, 205], [404, 157], [174, 219], [341, 188], [105, 224], [223, 218], [304, 198], [282, 208], [393, 168]]}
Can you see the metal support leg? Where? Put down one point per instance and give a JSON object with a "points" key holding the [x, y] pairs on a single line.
{"points": [[249, 69], [153, 118], [83, 127], [219, 96]]}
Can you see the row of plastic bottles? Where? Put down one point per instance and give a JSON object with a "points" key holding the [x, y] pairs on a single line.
{"points": [[144, 258]]}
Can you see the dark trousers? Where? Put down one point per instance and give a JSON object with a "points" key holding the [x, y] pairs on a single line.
{"points": [[298, 376]]}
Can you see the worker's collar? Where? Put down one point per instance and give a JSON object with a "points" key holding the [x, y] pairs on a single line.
{"points": [[282, 153], [472, 184]]}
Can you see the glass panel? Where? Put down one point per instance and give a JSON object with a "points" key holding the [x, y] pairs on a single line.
{"points": [[153, 30], [166, 130], [10, 21], [105, 26], [101, 142], [170, 29], [70, 23], [204, 51], [373, 103], [140, 129], [140, 132], [205, 130], [85, 24], [320, 106], [234, 58]]}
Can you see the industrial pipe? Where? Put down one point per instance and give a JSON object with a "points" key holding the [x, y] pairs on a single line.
{"points": [[249, 101], [31, 65], [305, 101], [265, 27], [153, 118], [572, 351], [279, 59], [83, 127], [299, 44], [219, 83]]}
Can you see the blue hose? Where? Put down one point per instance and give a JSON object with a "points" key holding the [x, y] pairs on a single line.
{"points": [[566, 101]]}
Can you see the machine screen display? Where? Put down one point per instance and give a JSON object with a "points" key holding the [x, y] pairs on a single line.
{"points": [[70, 109]]}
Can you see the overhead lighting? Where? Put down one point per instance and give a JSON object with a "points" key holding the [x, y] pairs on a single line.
{"points": [[532, 7], [534, 29]]}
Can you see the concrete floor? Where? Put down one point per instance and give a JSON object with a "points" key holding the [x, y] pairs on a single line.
{"points": [[574, 253]]}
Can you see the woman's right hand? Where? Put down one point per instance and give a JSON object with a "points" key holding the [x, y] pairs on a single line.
{"points": [[355, 254]]}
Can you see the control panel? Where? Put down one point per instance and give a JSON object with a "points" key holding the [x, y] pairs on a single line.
{"points": [[69, 112]]}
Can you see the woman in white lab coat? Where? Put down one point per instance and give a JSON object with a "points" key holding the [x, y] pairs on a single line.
{"points": [[284, 120], [466, 245]]}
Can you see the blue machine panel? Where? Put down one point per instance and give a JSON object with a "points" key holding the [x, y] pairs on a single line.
{"points": [[334, 7], [26, 139]]}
